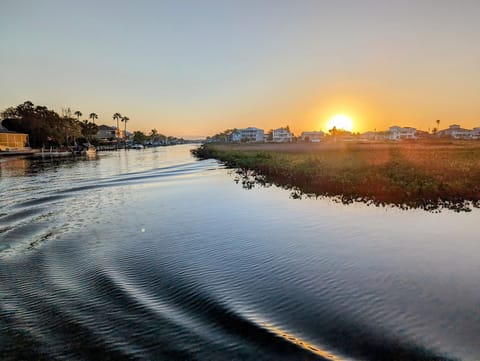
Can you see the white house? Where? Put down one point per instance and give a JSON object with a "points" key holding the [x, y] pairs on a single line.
{"points": [[250, 134], [455, 131], [476, 133], [282, 135], [397, 133], [314, 137]]}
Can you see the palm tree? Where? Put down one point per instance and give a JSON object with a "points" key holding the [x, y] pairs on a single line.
{"points": [[125, 120], [438, 123], [116, 117], [93, 116], [153, 135], [78, 113]]}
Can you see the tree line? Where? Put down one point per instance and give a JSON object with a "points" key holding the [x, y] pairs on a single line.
{"points": [[45, 127]]}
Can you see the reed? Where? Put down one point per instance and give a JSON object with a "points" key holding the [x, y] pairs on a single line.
{"points": [[426, 175]]}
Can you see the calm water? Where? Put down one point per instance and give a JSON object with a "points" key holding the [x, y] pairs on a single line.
{"points": [[152, 255]]}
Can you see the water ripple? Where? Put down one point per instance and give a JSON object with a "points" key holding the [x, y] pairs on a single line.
{"points": [[152, 255]]}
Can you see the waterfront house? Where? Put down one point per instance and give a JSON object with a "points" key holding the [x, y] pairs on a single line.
{"points": [[397, 133], [476, 133], [313, 137], [282, 135], [456, 132], [250, 134], [12, 140], [106, 132]]}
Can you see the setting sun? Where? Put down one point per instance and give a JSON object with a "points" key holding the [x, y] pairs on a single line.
{"points": [[340, 121]]}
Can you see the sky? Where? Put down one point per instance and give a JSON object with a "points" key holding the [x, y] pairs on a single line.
{"points": [[195, 68]]}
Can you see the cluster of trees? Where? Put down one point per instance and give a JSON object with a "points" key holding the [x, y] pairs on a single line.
{"points": [[46, 127], [334, 132], [155, 138]]}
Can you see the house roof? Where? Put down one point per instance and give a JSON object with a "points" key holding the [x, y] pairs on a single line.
{"points": [[5, 130], [106, 127], [450, 130]]}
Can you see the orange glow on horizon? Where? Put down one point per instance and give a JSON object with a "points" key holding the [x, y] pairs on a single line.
{"points": [[340, 121]]}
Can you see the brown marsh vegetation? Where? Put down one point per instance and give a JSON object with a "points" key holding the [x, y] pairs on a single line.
{"points": [[429, 175]]}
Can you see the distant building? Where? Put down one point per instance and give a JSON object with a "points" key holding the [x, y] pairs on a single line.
{"points": [[282, 135], [455, 131], [397, 133], [250, 134], [11, 140], [476, 133], [107, 132], [313, 137]]}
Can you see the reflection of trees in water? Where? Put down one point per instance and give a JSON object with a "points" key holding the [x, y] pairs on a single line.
{"points": [[16, 167], [250, 178], [48, 163]]}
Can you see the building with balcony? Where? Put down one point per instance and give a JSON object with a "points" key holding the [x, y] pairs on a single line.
{"points": [[282, 135], [457, 132], [250, 134], [398, 133]]}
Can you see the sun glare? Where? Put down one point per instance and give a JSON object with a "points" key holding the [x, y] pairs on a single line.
{"points": [[340, 121]]}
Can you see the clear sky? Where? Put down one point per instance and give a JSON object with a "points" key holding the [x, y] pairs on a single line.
{"points": [[193, 68]]}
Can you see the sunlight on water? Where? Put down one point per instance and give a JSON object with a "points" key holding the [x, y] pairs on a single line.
{"points": [[315, 349]]}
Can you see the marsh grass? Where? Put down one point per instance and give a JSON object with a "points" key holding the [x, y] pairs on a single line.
{"points": [[429, 176]]}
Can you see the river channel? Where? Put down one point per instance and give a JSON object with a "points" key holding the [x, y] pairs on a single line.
{"points": [[154, 255]]}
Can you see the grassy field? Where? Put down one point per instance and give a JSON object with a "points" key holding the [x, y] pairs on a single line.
{"points": [[429, 175]]}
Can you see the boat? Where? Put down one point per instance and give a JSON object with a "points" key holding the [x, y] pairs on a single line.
{"points": [[84, 149], [88, 149], [137, 146]]}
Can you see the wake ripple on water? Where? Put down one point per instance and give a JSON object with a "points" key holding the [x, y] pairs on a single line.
{"points": [[125, 319], [100, 312], [28, 223]]}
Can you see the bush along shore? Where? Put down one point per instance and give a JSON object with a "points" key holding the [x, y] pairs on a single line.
{"points": [[407, 175]]}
